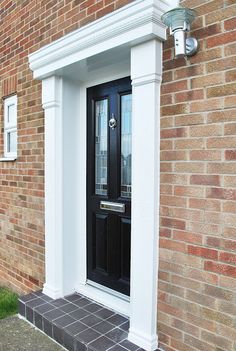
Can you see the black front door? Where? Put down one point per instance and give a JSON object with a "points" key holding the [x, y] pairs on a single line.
{"points": [[109, 184]]}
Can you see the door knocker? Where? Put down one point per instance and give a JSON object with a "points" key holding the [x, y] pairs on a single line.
{"points": [[112, 122]]}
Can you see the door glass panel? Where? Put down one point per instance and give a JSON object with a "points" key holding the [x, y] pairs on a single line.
{"points": [[126, 128], [101, 114]]}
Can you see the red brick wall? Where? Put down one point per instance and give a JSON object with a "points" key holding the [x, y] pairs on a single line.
{"points": [[25, 26], [197, 287]]}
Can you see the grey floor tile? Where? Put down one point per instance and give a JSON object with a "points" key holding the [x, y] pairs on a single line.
{"points": [[59, 302], [129, 345], [125, 326], [47, 327], [28, 297], [35, 303], [91, 320], [58, 334], [88, 336], [46, 307], [29, 314], [101, 343], [68, 308], [104, 313], [38, 320], [21, 308], [104, 327], [117, 348], [117, 319], [69, 341], [75, 328], [82, 302], [73, 297], [117, 335], [92, 307], [64, 321], [51, 315], [79, 313]]}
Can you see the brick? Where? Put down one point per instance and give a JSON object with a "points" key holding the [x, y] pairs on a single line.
{"points": [[206, 105], [221, 193], [173, 223], [224, 343], [217, 316], [211, 205], [221, 39], [220, 268], [190, 143], [220, 14], [189, 95], [201, 276], [174, 110], [200, 299], [205, 180], [221, 143], [221, 116], [222, 168], [230, 75], [190, 71], [189, 167], [230, 155], [185, 327], [189, 191], [230, 129], [203, 252], [221, 90], [221, 65], [192, 119], [218, 293], [229, 206], [173, 133], [227, 257], [198, 344], [174, 86], [207, 80], [200, 155]]}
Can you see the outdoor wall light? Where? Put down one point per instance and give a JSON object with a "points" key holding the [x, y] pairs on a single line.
{"points": [[179, 21]]}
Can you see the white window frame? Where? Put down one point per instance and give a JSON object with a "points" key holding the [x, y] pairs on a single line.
{"points": [[10, 127]]}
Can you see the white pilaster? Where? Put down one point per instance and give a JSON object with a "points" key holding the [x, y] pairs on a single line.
{"points": [[146, 69], [52, 104]]}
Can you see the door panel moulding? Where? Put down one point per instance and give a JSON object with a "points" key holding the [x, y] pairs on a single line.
{"points": [[83, 58]]}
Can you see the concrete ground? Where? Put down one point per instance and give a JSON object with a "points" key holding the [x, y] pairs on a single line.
{"points": [[18, 335]]}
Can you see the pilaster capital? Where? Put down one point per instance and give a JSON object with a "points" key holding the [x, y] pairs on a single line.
{"points": [[52, 92]]}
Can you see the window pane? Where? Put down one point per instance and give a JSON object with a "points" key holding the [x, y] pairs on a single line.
{"points": [[11, 142], [11, 115], [126, 128], [101, 115]]}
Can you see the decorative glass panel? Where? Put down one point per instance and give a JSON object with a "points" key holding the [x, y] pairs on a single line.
{"points": [[101, 114], [11, 114], [126, 128], [11, 142]]}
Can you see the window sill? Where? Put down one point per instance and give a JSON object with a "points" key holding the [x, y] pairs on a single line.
{"points": [[7, 159]]}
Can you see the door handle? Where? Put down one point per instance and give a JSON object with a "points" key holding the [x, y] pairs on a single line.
{"points": [[112, 206], [112, 122]]}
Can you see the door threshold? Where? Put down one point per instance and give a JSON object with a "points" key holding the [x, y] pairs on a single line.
{"points": [[105, 296], [108, 290]]}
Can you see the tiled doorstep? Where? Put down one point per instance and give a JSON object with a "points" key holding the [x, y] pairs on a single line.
{"points": [[77, 323]]}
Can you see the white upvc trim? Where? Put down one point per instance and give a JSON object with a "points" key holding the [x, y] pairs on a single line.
{"points": [[134, 23], [7, 159], [10, 127], [138, 27]]}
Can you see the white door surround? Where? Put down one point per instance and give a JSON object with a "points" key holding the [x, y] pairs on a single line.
{"points": [[125, 42]]}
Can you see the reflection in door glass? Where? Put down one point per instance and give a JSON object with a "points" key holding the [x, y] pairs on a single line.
{"points": [[126, 128], [101, 147]]}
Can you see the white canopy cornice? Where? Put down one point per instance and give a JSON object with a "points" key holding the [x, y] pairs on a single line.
{"points": [[132, 24]]}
